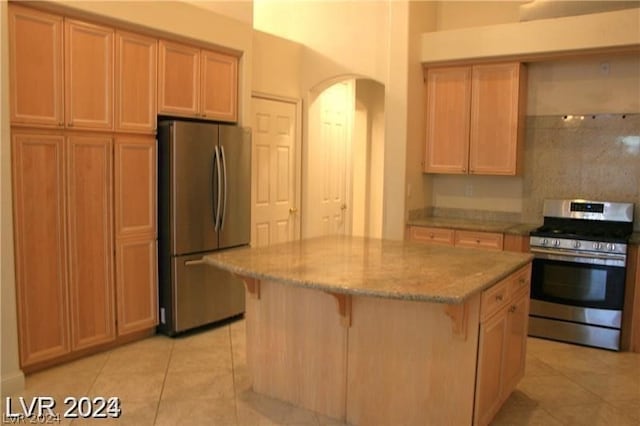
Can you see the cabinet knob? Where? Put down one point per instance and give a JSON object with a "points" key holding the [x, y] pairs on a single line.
{"points": [[60, 124], [69, 124], [293, 210], [512, 309], [499, 297]]}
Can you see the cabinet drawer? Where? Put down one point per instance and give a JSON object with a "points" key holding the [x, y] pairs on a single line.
{"points": [[432, 235], [494, 298], [473, 239]]}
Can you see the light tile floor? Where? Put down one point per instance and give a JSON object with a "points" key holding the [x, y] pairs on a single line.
{"points": [[202, 379]]}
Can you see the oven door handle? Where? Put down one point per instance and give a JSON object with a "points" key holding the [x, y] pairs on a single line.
{"points": [[572, 254]]}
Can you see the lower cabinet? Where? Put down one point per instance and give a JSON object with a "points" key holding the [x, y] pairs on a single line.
{"points": [[456, 237], [136, 263], [70, 286], [502, 348]]}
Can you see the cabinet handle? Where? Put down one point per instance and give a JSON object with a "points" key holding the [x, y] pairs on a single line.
{"points": [[60, 124], [69, 124], [499, 297]]}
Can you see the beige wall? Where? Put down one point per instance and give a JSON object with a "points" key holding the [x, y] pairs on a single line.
{"points": [[558, 87], [544, 37], [276, 65], [464, 14], [344, 40]]}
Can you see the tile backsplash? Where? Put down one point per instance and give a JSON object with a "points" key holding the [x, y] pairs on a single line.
{"points": [[593, 157]]}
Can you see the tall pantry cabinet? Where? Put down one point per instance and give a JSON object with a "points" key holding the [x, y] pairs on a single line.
{"points": [[83, 163]]}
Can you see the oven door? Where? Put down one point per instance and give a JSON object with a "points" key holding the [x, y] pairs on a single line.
{"points": [[579, 284]]}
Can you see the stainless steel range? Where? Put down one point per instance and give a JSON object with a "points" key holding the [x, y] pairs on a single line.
{"points": [[579, 268]]}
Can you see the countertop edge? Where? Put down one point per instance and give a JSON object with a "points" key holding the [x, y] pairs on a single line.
{"points": [[332, 288]]}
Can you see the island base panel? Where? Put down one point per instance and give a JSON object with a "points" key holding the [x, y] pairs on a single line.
{"points": [[297, 347], [399, 362]]}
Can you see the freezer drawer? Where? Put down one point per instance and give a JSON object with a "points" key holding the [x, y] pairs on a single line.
{"points": [[203, 293]]}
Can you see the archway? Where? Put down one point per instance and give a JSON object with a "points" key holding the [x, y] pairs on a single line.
{"points": [[342, 166]]}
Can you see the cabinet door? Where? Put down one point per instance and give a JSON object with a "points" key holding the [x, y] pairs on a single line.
{"points": [[515, 342], [40, 246], [35, 58], [178, 79], [495, 119], [489, 378], [136, 67], [88, 76], [137, 283], [447, 122], [90, 231], [219, 86], [135, 186]]}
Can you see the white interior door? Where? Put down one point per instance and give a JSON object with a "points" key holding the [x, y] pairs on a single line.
{"points": [[276, 172], [327, 184]]}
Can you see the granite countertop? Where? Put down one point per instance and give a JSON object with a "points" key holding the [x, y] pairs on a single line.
{"points": [[372, 267], [475, 225]]}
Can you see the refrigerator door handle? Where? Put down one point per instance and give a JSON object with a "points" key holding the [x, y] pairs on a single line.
{"points": [[224, 170], [217, 218]]}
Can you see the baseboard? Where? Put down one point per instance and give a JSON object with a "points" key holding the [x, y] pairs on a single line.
{"points": [[12, 383]]}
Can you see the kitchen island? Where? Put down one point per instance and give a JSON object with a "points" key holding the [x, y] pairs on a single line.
{"points": [[384, 332]]}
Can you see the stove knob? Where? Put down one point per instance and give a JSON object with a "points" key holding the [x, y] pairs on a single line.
{"points": [[596, 246], [611, 247], [545, 242], [576, 244], [556, 243]]}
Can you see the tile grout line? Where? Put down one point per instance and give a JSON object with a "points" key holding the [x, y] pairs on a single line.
{"points": [[233, 376], [164, 380]]}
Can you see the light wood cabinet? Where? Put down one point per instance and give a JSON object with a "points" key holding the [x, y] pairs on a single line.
{"points": [[518, 243], [90, 216], [474, 239], [502, 343], [135, 186], [219, 86], [448, 94], [442, 236], [88, 76], [36, 67], [40, 246], [195, 82], [475, 119], [630, 339], [137, 283], [135, 83], [64, 243], [456, 237], [136, 230]]}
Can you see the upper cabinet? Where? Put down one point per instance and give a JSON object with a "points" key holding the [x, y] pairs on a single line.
{"points": [[88, 76], [475, 119], [194, 82], [36, 63], [136, 63], [61, 71]]}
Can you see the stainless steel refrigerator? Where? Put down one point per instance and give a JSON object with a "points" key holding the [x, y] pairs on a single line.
{"points": [[204, 196]]}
